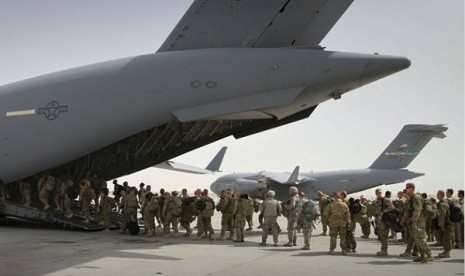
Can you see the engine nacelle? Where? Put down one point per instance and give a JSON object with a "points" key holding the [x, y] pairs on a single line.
{"points": [[246, 186]]}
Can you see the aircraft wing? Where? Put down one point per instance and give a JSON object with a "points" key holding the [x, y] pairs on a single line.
{"points": [[213, 166], [257, 23]]}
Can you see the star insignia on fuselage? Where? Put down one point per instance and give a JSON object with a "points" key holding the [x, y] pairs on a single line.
{"points": [[52, 110]]}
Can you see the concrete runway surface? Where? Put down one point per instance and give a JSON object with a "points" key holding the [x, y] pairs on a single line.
{"points": [[28, 248]]}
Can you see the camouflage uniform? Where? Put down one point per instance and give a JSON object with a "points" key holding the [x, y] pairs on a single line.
{"points": [[455, 227], [307, 217], [291, 210], [25, 189], [270, 208], [172, 209], [149, 209], [226, 207], [399, 204], [67, 198], [445, 230], [323, 203], [187, 215], [240, 210], [417, 222], [381, 206], [88, 195], [338, 216], [249, 215], [205, 215], [106, 204], [46, 185]]}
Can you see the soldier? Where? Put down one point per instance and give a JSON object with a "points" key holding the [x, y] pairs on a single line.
{"points": [[250, 211], [444, 225], [117, 190], [122, 200], [226, 207], [290, 212], [399, 204], [141, 192], [409, 239], [270, 208], [455, 226], [58, 197], [308, 215], [68, 196], [173, 213], [208, 213], [106, 205], [159, 213], [88, 195], [364, 219], [338, 215], [148, 210], [240, 210], [86, 183], [130, 203], [187, 215], [46, 185], [300, 202], [25, 189], [416, 221], [323, 202], [381, 206], [350, 233], [430, 215]]}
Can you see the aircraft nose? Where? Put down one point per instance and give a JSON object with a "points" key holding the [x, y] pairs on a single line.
{"points": [[214, 187], [381, 66]]}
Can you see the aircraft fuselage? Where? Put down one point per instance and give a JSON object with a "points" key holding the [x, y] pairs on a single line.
{"points": [[50, 120]]}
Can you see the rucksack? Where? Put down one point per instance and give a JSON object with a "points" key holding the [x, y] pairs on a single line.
{"points": [[428, 209], [455, 212]]}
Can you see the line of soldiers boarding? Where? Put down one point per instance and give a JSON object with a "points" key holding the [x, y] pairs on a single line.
{"points": [[420, 220]]}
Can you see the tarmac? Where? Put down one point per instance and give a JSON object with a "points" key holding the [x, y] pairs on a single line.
{"points": [[29, 248]]}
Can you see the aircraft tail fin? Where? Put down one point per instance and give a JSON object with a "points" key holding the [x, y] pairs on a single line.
{"points": [[294, 177], [215, 164], [407, 145]]}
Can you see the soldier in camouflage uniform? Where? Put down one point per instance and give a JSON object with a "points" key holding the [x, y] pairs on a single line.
{"points": [[149, 210], [444, 224], [455, 226], [240, 209], [226, 206], [308, 215], [409, 239], [364, 219], [270, 208], [88, 195], [338, 215], [323, 202], [290, 209], [187, 214], [46, 185], [350, 233], [205, 215], [106, 204], [131, 204], [25, 190], [399, 204], [382, 205], [250, 211], [416, 221]]}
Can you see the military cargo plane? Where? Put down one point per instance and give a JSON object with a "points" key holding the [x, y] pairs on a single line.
{"points": [[228, 68], [388, 168]]}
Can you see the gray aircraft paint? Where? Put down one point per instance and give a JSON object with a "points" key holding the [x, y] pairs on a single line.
{"points": [[51, 121], [385, 170]]}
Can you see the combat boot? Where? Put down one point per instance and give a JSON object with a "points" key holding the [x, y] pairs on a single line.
{"points": [[331, 252], [344, 252], [427, 259], [288, 244], [444, 254], [305, 247], [419, 259], [406, 254], [382, 253], [323, 234]]}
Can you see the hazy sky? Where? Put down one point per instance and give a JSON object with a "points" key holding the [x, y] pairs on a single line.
{"points": [[38, 37]]}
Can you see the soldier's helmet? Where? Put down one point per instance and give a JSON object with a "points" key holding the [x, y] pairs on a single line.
{"points": [[293, 190], [270, 193]]}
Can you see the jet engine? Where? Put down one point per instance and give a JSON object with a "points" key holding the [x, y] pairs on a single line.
{"points": [[247, 186]]}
